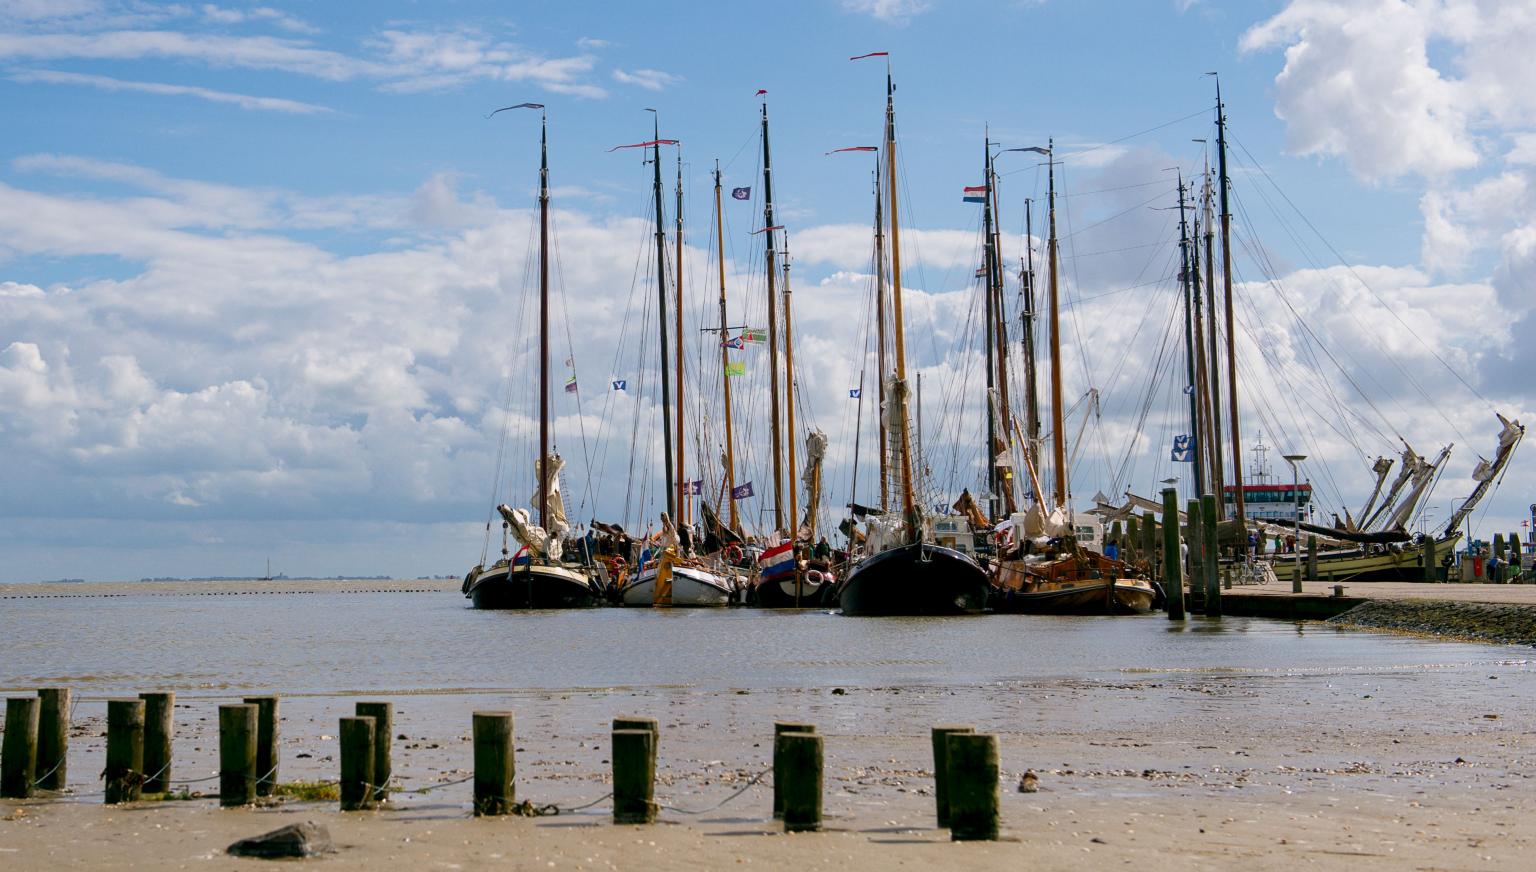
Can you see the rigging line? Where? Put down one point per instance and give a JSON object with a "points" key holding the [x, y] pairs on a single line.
{"points": [[1103, 145], [1119, 250], [1073, 315], [1362, 281], [1121, 214], [570, 351]]}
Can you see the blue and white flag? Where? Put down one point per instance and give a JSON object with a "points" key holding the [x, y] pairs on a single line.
{"points": [[1189, 389], [620, 384], [741, 193], [741, 491], [736, 342], [1183, 450], [854, 393], [695, 487]]}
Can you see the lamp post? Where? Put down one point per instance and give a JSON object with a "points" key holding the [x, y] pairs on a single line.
{"points": [[1294, 459]]}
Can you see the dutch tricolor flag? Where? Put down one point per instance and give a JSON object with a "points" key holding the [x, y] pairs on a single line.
{"points": [[977, 194]]}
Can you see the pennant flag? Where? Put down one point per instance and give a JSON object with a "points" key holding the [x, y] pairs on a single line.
{"points": [[645, 144], [1183, 450], [853, 148], [854, 393], [741, 491], [735, 367], [976, 194], [570, 385], [873, 54], [737, 342], [760, 92], [519, 106], [766, 229], [741, 193], [620, 384], [756, 337], [777, 561], [1034, 148]]}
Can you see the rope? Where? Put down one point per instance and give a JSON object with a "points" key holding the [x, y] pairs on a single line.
{"points": [[744, 788]]}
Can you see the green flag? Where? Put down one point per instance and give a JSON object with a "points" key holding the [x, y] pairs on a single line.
{"points": [[735, 368]]}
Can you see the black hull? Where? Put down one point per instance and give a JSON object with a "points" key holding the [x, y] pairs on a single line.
{"points": [[1084, 599], [531, 588], [921, 579], [770, 595]]}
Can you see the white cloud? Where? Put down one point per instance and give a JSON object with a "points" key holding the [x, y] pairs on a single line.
{"points": [[889, 11], [256, 14], [106, 83], [651, 80]]}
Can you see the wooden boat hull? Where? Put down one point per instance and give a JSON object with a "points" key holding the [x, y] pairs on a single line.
{"points": [[661, 584], [1356, 565], [532, 586], [1093, 596], [919, 579]]}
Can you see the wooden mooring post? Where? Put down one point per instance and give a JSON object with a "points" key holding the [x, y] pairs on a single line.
{"points": [[53, 738], [124, 772], [18, 755], [158, 730], [800, 763], [780, 728], [383, 714], [357, 756], [1194, 540], [495, 765], [973, 791], [237, 754], [634, 777], [267, 757], [1173, 581], [940, 740], [1208, 555]]}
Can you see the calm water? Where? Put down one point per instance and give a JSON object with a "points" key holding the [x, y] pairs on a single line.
{"points": [[422, 642]]}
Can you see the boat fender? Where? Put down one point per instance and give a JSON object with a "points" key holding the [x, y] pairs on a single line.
{"points": [[814, 576]]}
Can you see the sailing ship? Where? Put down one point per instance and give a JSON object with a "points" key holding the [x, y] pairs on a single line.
{"points": [[671, 573], [538, 576], [902, 571], [1041, 566]]}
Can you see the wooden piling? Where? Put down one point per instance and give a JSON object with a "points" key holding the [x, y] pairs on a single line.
{"points": [[1194, 537], [1209, 555], [780, 728], [53, 738], [973, 791], [158, 730], [267, 756], [1312, 556], [495, 765], [124, 772], [357, 737], [18, 754], [1173, 582], [383, 714], [1431, 562], [1152, 547], [634, 777], [628, 722], [237, 754], [800, 755], [940, 740]]}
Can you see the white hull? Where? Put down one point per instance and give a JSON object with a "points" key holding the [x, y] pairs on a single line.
{"points": [[691, 587]]}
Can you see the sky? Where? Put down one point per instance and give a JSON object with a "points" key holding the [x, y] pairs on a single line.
{"points": [[266, 269]]}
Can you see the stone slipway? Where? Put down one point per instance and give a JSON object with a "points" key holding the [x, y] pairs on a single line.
{"points": [[1497, 613]]}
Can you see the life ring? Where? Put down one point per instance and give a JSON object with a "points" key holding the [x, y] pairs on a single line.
{"points": [[814, 576], [733, 553], [618, 562]]}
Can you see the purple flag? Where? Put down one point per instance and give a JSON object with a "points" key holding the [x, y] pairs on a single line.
{"points": [[741, 491], [741, 193]]}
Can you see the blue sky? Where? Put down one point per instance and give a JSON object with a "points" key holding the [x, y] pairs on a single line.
{"points": [[261, 262]]}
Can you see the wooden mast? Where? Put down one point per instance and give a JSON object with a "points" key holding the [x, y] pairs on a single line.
{"points": [[725, 361], [1027, 328], [789, 390], [682, 486], [1000, 318], [543, 320], [1226, 279], [908, 499], [989, 453], [885, 472], [1207, 443], [1058, 438], [1189, 342], [773, 334], [661, 321], [1218, 473]]}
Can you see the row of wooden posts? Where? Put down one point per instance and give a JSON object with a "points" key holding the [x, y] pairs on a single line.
{"points": [[139, 731]]}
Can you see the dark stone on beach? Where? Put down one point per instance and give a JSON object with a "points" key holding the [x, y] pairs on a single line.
{"points": [[1476, 622], [838, 691], [307, 839]]}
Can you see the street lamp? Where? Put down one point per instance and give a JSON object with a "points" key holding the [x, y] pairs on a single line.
{"points": [[1294, 459]]}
